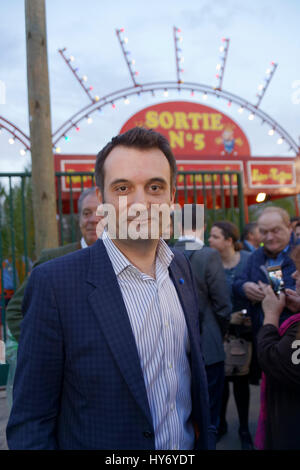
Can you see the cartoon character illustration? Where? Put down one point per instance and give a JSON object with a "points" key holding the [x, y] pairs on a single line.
{"points": [[228, 140]]}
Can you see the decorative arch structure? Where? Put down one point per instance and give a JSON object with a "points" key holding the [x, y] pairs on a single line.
{"points": [[97, 103]]}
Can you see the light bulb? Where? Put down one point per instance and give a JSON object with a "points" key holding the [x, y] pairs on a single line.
{"points": [[84, 78], [89, 120], [126, 101], [72, 58], [166, 93], [271, 132], [218, 67], [241, 109], [204, 96], [251, 117], [280, 140], [261, 197], [11, 140], [221, 49], [58, 149], [97, 98], [23, 152]]}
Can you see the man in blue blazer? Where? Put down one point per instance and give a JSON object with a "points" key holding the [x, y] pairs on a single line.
{"points": [[109, 354]]}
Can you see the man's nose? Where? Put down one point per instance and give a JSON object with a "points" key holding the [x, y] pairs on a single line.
{"points": [[140, 197], [94, 218]]}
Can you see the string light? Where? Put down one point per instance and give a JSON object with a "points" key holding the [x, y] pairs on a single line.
{"points": [[23, 152], [67, 138], [271, 132], [89, 120], [84, 78], [204, 96], [11, 140], [166, 93], [241, 110], [126, 100], [251, 117], [58, 150], [72, 58], [97, 98], [280, 141]]}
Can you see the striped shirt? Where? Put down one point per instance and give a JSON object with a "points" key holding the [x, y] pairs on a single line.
{"points": [[162, 341]]}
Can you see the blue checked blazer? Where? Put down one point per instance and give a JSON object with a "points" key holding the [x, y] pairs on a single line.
{"points": [[79, 383]]}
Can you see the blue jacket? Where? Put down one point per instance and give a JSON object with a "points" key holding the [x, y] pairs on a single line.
{"points": [[79, 383], [253, 273]]}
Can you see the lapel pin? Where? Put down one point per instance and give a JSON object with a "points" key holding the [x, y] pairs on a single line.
{"points": [[181, 281]]}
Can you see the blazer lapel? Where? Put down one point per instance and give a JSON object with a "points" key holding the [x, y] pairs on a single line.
{"points": [[107, 303]]}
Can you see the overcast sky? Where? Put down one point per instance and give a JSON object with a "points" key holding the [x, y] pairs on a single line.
{"points": [[260, 31]]}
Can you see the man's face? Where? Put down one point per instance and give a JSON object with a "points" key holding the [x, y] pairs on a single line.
{"points": [[88, 220], [255, 237], [143, 176], [275, 235], [297, 232]]}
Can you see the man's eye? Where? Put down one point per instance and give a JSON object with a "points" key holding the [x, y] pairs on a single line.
{"points": [[155, 187], [121, 189]]}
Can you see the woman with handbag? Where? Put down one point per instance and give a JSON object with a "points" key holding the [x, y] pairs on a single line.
{"points": [[224, 237], [279, 357]]}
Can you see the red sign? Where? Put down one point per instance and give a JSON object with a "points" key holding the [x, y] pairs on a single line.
{"points": [[271, 175], [210, 180], [193, 129]]}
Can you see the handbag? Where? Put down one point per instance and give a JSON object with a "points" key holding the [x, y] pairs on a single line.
{"points": [[238, 352]]}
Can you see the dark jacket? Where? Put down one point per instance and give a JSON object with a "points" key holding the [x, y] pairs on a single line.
{"points": [[79, 382], [253, 273], [214, 300], [275, 355]]}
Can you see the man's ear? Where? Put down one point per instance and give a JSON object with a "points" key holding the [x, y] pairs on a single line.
{"points": [[99, 195], [173, 192]]}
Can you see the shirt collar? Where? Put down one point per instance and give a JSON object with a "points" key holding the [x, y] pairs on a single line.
{"points": [[190, 238], [121, 263], [83, 243]]}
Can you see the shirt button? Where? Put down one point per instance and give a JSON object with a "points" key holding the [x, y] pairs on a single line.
{"points": [[172, 407], [170, 365]]}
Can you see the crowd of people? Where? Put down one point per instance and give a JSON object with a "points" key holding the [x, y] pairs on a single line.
{"points": [[133, 344]]}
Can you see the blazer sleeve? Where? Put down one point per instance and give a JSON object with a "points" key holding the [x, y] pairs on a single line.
{"points": [[218, 291], [38, 379], [13, 312]]}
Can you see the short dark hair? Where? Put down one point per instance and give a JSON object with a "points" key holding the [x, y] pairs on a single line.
{"points": [[249, 228], [293, 219], [229, 230], [139, 138], [297, 224]]}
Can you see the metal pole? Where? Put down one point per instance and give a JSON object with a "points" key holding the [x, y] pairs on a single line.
{"points": [[43, 181]]}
